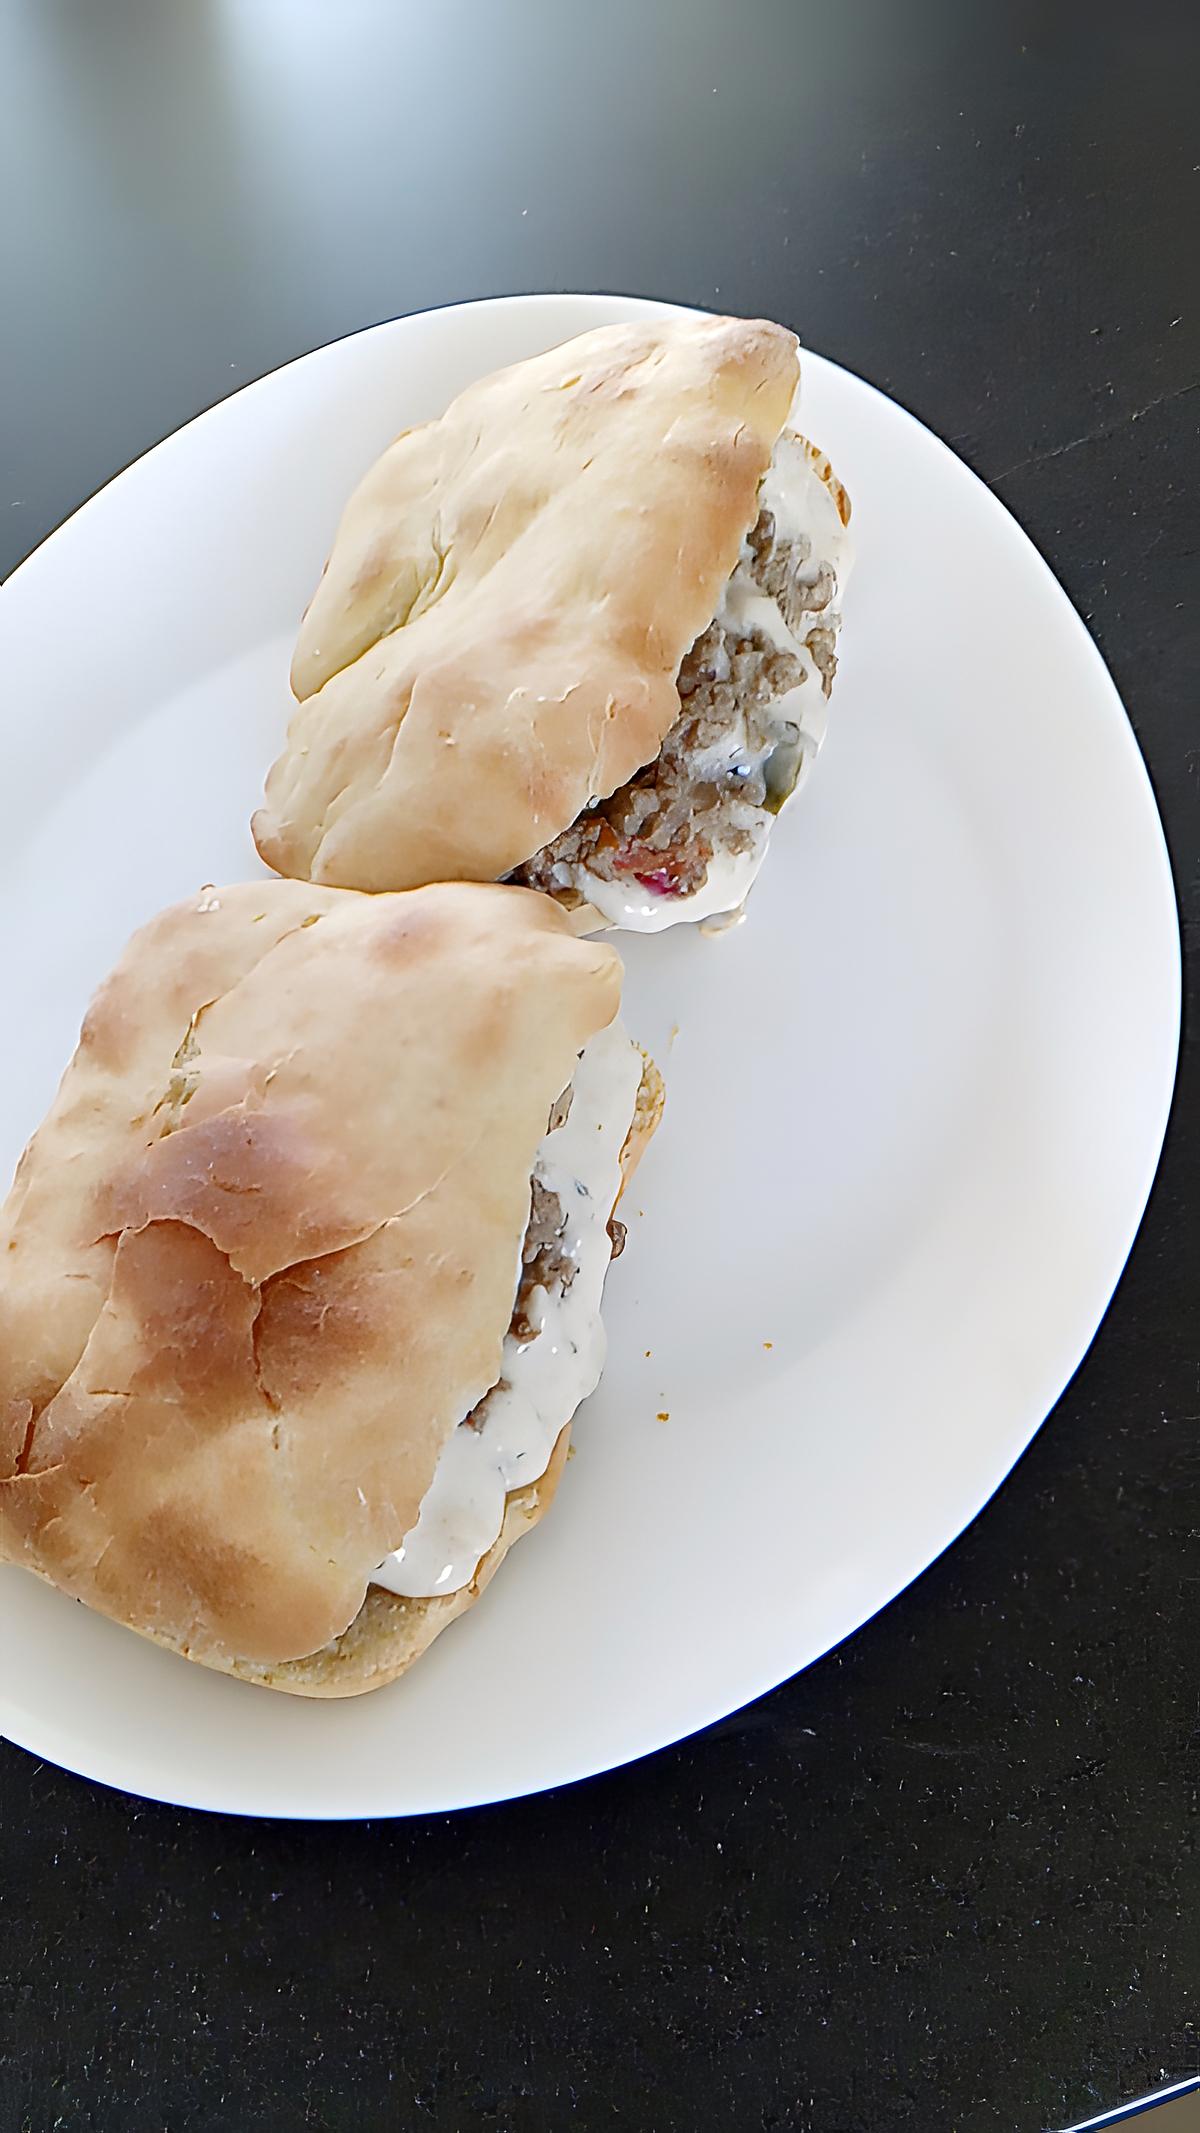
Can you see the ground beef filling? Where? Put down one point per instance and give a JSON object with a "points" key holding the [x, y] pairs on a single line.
{"points": [[545, 1261], [709, 788]]}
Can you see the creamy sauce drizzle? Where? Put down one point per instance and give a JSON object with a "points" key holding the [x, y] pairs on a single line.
{"points": [[543, 1380]]}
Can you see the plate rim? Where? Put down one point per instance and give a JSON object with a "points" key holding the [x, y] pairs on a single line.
{"points": [[113, 1770]]}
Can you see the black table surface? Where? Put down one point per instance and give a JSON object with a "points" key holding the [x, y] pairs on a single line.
{"points": [[948, 1877]]}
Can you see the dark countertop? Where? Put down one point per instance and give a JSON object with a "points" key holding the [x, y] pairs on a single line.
{"points": [[947, 1879]]}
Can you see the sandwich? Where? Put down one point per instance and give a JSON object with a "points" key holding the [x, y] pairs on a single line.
{"points": [[300, 1277], [578, 634]]}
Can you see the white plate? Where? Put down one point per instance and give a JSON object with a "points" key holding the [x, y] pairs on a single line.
{"points": [[915, 1106]]}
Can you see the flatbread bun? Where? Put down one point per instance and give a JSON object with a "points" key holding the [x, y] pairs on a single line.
{"points": [[258, 1262], [512, 588]]}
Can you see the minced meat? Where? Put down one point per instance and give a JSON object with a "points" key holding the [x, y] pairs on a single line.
{"points": [[663, 827], [545, 1261], [778, 567]]}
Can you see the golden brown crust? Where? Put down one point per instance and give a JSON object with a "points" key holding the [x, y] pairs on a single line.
{"points": [[496, 636], [276, 1203]]}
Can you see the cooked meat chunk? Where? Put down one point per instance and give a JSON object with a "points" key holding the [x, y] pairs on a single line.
{"points": [[780, 568], [545, 1263], [708, 787], [699, 791]]}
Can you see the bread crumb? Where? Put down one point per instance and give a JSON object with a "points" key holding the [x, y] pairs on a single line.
{"points": [[663, 1416]]}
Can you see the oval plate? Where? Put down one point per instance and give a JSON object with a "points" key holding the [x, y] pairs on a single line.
{"points": [[915, 1102]]}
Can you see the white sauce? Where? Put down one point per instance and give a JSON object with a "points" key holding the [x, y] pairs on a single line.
{"points": [[543, 1380], [803, 507], [727, 884]]}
